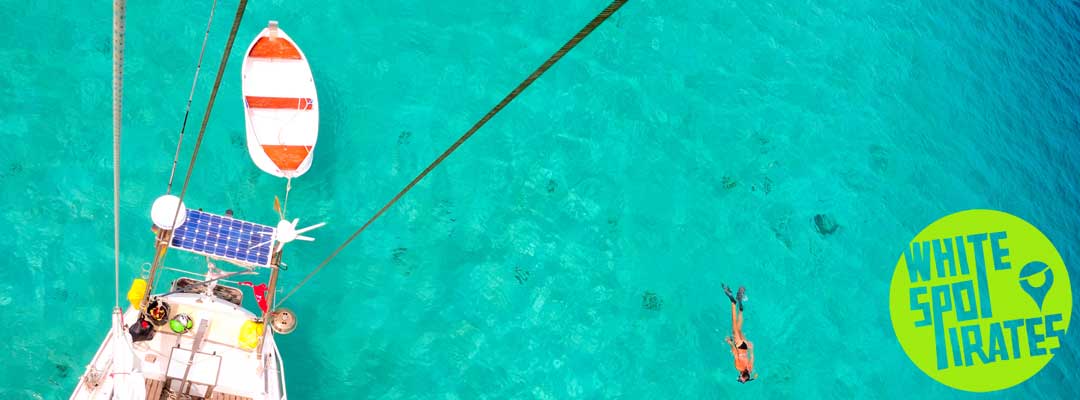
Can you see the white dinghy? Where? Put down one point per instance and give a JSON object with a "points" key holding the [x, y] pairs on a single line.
{"points": [[281, 108]]}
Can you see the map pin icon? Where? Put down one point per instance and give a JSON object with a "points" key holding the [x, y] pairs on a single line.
{"points": [[1030, 273]]}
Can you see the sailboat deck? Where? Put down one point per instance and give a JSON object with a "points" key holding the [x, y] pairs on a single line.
{"points": [[208, 357], [155, 390], [211, 361], [223, 396]]}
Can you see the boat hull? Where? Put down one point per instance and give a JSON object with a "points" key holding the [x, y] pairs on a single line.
{"points": [[281, 106], [219, 367]]}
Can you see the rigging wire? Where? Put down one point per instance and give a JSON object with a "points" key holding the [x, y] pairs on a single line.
{"points": [[600, 18], [187, 110], [119, 8], [206, 116], [210, 102]]}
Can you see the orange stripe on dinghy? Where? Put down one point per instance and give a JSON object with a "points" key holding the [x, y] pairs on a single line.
{"points": [[289, 103], [287, 158], [274, 48]]}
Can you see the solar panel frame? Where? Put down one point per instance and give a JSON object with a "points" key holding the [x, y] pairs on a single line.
{"points": [[224, 237]]}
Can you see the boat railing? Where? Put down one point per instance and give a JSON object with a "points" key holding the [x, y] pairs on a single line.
{"points": [[91, 369], [281, 376], [195, 274], [278, 367]]}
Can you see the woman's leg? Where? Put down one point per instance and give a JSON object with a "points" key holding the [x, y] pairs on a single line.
{"points": [[738, 326], [736, 317], [735, 325]]}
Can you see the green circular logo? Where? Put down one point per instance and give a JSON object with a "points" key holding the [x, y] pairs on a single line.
{"points": [[980, 300]]}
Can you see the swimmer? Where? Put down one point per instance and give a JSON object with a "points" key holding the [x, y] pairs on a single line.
{"points": [[741, 348]]}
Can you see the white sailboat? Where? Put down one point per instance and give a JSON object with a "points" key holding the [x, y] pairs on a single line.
{"points": [[219, 352], [195, 339]]}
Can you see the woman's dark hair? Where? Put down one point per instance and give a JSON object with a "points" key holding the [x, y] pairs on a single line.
{"points": [[744, 376]]}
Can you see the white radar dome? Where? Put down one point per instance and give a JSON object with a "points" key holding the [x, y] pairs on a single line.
{"points": [[165, 208]]}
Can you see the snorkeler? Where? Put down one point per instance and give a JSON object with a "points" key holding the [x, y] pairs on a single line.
{"points": [[741, 348]]}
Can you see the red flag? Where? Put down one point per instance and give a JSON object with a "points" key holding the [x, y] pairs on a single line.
{"points": [[260, 293]]}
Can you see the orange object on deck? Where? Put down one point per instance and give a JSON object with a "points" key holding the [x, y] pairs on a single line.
{"points": [[285, 157], [274, 48], [288, 103]]}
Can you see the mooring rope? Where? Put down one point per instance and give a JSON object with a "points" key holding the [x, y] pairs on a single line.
{"points": [[285, 205], [603, 16], [187, 110], [118, 91]]}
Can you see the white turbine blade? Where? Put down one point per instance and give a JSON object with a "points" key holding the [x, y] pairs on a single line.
{"points": [[294, 222], [305, 238], [316, 226]]}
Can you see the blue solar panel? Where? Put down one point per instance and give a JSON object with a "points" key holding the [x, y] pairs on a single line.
{"points": [[224, 237]]}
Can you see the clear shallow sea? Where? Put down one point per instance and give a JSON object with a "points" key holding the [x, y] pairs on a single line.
{"points": [[680, 146]]}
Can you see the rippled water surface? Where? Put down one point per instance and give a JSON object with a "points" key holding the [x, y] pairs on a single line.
{"points": [[575, 247]]}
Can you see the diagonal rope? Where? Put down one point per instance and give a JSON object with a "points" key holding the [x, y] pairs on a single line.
{"points": [[603, 16], [210, 103], [187, 110], [206, 120], [118, 91]]}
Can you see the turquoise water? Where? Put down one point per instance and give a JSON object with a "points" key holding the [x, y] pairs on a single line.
{"points": [[575, 247]]}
